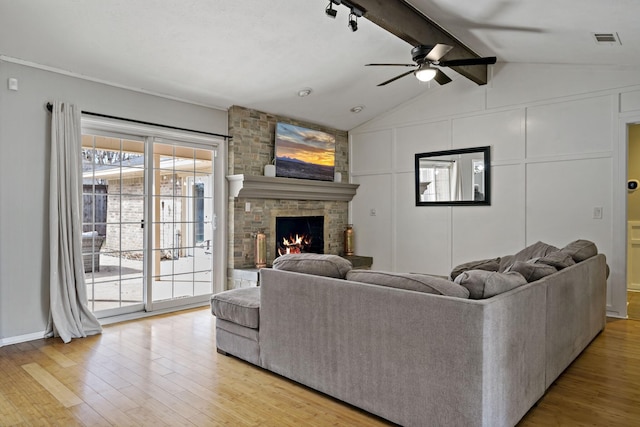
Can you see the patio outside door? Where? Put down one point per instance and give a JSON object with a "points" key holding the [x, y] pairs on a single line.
{"points": [[147, 223], [182, 225]]}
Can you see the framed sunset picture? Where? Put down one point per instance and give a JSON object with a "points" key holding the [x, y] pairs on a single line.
{"points": [[304, 153]]}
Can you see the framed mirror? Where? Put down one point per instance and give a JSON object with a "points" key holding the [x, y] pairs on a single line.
{"points": [[454, 177]]}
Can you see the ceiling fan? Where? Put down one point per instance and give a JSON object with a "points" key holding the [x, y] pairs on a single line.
{"points": [[425, 57]]}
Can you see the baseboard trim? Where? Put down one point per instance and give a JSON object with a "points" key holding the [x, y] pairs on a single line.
{"points": [[21, 338], [106, 321]]}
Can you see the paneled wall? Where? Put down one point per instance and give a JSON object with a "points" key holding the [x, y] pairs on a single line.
{"points": [[557, 150]]}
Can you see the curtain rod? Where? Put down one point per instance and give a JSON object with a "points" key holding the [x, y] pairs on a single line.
{"points": [[106, 116]]}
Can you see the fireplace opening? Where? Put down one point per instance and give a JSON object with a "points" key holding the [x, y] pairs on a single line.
{"points": [[299, 234]]}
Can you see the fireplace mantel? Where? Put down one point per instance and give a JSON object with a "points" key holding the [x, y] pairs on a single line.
{"points": [[264, 187]]}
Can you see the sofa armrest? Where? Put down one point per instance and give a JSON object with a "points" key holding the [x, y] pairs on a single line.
{"points": [[576, 312]]}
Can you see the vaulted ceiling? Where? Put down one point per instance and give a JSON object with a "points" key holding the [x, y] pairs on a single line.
{"points": [[260, 54]]}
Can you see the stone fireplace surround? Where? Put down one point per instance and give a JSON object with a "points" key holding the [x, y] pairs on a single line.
{"points": [[250, 148]]}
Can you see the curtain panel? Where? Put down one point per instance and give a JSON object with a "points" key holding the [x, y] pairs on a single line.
{"points": [[69, 315]]}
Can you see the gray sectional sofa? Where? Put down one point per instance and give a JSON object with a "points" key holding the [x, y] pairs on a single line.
{"points": [[420, 356]]}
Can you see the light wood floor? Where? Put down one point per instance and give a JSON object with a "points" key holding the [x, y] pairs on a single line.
{"points": [[164, 370]]}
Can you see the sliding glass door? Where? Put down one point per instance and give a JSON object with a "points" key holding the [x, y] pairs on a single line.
{"points": [[148, 223], [114, 201], [182, 230]]}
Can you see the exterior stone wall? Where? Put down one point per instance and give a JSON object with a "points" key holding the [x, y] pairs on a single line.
{"points": [[250, 149]]}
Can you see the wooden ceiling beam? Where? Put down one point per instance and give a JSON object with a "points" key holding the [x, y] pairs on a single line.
{"points": [[404, 21]]}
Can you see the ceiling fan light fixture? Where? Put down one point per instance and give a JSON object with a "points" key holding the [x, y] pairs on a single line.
{"points": [[425, 73]]}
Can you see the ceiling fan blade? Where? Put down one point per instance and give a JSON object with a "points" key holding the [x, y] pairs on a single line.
{"points": [[468, 61], [389, 65], [438, 51], [441, 78], [396, 78]]}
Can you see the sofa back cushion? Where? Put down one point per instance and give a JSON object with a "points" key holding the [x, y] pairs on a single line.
{"points": [[485, 284], [409, 281], [316, 264]]}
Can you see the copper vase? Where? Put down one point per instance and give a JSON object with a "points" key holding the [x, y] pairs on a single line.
{"points": [[261, 250], [348, 240]]}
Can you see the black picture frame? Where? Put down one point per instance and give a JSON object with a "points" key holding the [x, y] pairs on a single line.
{"points": [[472, 182]]}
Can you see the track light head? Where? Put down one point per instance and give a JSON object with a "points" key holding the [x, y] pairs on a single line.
{"points": [[330, 11], [353, 22]]}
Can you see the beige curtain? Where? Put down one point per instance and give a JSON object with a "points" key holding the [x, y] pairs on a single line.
{"points": [[69, 316]]}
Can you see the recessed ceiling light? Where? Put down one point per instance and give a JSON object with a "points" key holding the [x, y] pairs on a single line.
{"points": [[304, 92], [357, 109]]}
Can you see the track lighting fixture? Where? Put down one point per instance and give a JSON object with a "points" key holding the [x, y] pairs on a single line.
{"points": [[353, 22], [330, 11], [353, 15]]}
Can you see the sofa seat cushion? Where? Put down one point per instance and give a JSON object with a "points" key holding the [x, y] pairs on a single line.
{"points": [[485, 284], [240, 306], [409, 281], [317, 264], [579, 250]]}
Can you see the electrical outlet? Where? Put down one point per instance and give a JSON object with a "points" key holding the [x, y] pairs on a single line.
{"points": [[597, 212], [247, 207]]}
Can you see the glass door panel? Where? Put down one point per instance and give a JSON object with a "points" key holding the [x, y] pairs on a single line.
{"points": [[182, 227], [114, 201]]}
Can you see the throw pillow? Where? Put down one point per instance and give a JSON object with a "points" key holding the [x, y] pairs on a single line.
{"points": [[485, 264], [505, 262], [532, 271], [485, 284], [557, 259], [580, 250], [537, 250], [316, 264], [409, 281]]}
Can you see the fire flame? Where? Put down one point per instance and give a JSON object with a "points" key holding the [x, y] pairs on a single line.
{"points": [[294, 245]]}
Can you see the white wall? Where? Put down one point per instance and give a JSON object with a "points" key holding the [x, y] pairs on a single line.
{"points": [[557, 138], [24, 168]]}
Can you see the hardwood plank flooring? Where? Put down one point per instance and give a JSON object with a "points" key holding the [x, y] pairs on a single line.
{"points": [[164, 371]]}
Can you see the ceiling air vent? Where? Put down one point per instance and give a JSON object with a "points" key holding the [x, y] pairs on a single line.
{"points": [[607, 38]]}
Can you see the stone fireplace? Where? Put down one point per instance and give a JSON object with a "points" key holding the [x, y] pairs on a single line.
{"points": [[250, 149]]}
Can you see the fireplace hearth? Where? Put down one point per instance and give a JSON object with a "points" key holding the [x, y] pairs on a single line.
{"points": [[299, 234]]}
